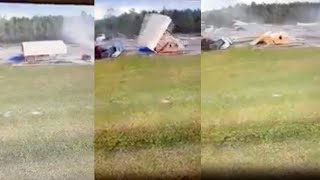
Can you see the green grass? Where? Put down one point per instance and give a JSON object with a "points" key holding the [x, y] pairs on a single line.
{"points": [[57, 143], [256, 109], [137, 132], [260, 109]]}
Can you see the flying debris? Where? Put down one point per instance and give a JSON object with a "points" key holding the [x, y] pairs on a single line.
{"points": [[220, 44], [103, 50], [100, 38], [308, 24], [209, 29], [239, 23]]}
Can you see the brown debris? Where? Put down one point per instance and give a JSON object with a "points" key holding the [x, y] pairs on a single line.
{"points": [[270, 38], [168, 44], [206, 44]]}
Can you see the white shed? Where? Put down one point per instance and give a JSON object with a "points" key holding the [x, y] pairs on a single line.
{"points": [[43, 48], [152, 30]]}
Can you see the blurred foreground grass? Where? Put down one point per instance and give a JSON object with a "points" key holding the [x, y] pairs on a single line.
{"points": [[46, 122], [260, 109], [147, 117]]}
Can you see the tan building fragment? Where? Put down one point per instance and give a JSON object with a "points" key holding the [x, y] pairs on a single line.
{"points": [[270, 38]]}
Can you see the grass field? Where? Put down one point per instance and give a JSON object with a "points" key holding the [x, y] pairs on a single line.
{"points": [[46, 122], [147, 117], [252, 110], [260, 110]]}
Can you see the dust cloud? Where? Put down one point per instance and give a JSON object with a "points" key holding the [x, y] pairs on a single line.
{"points": [[79, 30]]}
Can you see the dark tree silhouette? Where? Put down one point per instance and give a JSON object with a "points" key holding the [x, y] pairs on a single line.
{"points": [[17, 29]]}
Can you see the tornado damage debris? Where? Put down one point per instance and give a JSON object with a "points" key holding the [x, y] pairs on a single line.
{"points": [[156, 37], [260, 35]]}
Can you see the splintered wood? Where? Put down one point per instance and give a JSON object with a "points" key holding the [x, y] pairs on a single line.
{"points": [[270, 38]]}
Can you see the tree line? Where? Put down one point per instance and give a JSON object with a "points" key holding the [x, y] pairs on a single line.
{"points": [[18, 29], [264, 13], [129, 23]]}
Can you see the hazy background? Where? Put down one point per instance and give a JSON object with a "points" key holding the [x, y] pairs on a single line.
{"points": [[265, 13], [218, 4], [25, 22]]}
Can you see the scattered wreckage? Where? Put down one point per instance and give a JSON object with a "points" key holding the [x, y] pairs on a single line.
{"points": [[105, 51], [270, 38], [155, 37], [267, 39], [222, 43]]}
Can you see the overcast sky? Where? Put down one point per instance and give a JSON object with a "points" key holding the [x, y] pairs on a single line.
{"points": [[28, 10], [217, 4], [121, 6]]}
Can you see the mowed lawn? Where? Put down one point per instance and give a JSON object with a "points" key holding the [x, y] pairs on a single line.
{"points": [[147, 117], [260, 110], [46, 122]]}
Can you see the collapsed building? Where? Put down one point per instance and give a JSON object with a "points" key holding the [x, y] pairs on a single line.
{"points": [[103, 50], [156, 36], [271, 38], [244, 34], [267, 39], [209, 44]]}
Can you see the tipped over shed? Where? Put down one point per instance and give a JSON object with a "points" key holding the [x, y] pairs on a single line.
{"points": [[155, 35]]}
